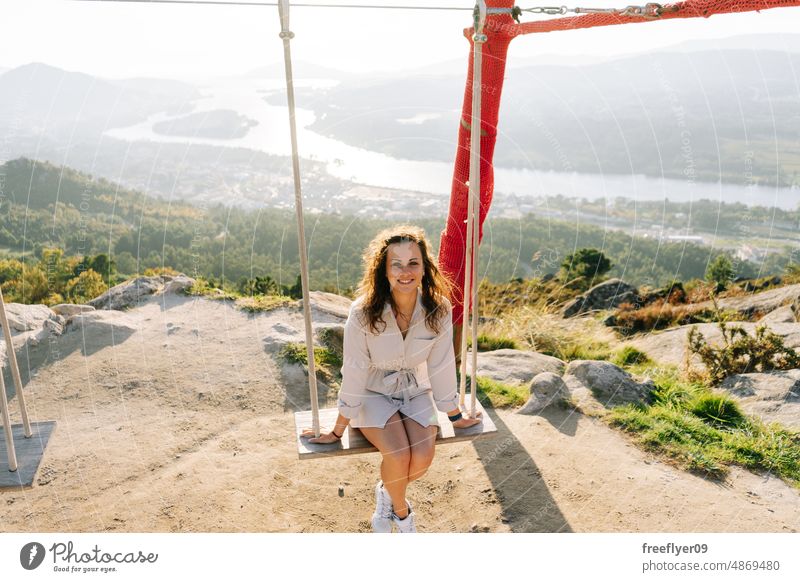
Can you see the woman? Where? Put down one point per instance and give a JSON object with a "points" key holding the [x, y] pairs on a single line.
{"points": [[399, 367]]}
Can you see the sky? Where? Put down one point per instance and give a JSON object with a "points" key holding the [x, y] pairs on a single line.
{"points": [[119, 40]]}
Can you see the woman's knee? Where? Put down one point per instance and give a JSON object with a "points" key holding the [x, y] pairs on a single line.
{"points": [[421, 459], [399, 457]]}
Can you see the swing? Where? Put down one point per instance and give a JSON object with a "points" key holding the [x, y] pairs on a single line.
{"points": [[24, 445], [494, 27]]}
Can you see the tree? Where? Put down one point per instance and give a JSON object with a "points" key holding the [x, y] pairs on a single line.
{"points": [[86, 287], [720, 271], [587, 263]]}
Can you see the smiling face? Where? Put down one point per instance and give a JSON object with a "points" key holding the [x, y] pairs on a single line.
{"points": [[404, 267]]}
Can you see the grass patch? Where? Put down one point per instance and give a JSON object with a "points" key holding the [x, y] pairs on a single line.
{"points": [[706, 433], [502, 395], [497, 394], [248, 303], [261, 303], [327, 363], [487, 343], [630, 356]]}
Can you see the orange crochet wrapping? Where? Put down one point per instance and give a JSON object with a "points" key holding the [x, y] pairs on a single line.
{"points": [[500, 30]]}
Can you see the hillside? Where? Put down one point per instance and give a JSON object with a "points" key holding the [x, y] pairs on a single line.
{"points": [[176, 416], [42, 203], [709, 115]]}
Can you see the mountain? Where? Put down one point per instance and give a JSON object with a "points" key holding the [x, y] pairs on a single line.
{"points": [[42, 100], [726, 115]]}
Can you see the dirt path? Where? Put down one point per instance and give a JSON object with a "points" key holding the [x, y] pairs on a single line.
{"points": [[182, 425]]}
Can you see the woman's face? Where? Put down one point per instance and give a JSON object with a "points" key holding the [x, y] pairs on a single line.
{"points": [[404, 267]]}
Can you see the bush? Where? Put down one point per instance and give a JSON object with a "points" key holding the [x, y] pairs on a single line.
{"points": [[742, 353], [85, 287], [720, 272], [588, 263]]}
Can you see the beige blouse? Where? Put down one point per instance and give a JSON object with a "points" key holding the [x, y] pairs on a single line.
{"points": [[387, 363]]}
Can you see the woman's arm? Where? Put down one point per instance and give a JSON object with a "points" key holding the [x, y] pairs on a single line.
{"points": [[326, 438]]}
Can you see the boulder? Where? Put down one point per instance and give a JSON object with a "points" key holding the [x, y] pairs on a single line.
{"points": [[281, 334], [67, 310], [177, 285], [29, 326], [605, 383], [330, 304], [607, 295], [515, 366], [753, 304], [131, 293], [128, 294], [773, 396], [783, 314], [669, 346], [546, 389], [22, 318]]}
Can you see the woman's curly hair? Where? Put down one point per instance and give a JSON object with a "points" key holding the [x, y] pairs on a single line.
{"points": [[374, 286]]}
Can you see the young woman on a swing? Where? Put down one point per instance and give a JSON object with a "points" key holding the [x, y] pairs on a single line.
{"points": [[399, 367]]}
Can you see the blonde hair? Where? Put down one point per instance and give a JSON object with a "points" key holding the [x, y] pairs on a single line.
{"points": [[374, 286]]}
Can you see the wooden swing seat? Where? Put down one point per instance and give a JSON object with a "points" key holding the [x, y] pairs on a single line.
{"points": [[353, 441]]}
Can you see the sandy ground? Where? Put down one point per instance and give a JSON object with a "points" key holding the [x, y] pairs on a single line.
{"points": [[183, 426]]}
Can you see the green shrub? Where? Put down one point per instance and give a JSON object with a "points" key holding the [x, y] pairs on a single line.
{"points": [[742, 353]]}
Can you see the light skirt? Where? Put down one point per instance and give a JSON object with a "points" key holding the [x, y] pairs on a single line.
{"points": [[378, 408]]}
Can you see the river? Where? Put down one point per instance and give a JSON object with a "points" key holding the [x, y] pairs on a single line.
{"points": [[271, 135]]}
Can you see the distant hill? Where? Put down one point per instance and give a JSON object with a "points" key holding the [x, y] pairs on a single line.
{"points": [[45, 100], [726, 115]]}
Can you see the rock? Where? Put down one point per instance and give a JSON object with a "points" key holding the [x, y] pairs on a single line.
{"points": [[783, 314], [669, 346], [29, 326], [773, 396], [128, 294], [102, 321], [177, 285], [516, 366], [546, 389], [750, 305], [281, 334], [68, 310], [607, 295], [608, 384], [23, 318], [330, 304]]}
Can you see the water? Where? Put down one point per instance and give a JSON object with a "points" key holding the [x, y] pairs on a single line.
{"points": [[344, 161]]}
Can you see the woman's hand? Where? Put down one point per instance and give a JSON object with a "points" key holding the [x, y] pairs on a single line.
{"points": [[465, 421], [324, 438]]}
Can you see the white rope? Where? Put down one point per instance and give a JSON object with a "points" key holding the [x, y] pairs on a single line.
{"points": [[473, 212], [287, 35]]}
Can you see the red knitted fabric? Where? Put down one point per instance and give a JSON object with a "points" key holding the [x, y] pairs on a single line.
{"points": [[453, 239], [500, 30]]}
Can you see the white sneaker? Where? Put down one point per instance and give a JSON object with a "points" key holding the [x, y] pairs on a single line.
{"points": [[406, 525], [382, 518]]}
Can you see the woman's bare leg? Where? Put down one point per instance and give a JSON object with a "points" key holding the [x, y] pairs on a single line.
{"points": [[392, 442], [422, 441]]}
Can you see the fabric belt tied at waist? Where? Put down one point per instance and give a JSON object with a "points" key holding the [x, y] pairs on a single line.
{"points": [[403, 380]]}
